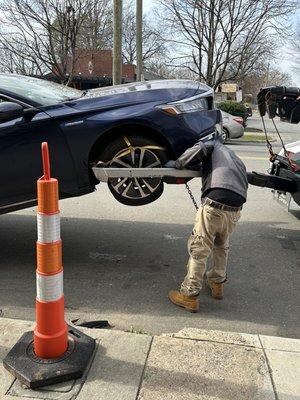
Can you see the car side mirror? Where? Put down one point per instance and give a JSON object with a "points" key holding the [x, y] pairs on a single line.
{"points": [[9, 111]]}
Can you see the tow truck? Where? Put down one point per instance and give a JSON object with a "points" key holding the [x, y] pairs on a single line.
{"points": [[284, 175]]}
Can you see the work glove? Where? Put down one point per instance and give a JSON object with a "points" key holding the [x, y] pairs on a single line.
{"points": [[170, 164]]}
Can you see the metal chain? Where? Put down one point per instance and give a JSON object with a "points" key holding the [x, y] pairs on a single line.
{"points": [[283, 145], [191, 196], [269, 145]]}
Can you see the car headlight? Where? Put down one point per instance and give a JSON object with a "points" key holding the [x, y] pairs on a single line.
{"points": [[182, 107]]}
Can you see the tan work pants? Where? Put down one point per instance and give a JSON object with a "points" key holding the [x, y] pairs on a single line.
{"points": [[210, 235]]}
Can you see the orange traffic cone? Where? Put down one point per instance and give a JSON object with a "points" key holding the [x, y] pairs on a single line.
{"points": [[53, 352], [51, 332]]}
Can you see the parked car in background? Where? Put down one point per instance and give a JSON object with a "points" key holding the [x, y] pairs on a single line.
{"points": [[233, 127], [234, 108], [142, 124]]}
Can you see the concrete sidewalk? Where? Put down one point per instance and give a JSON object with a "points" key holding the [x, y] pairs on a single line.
{"points": [[189, 365]]}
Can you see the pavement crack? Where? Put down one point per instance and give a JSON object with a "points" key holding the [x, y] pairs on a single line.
{"points": [[144, 369], [269, 369], [214, 341]]}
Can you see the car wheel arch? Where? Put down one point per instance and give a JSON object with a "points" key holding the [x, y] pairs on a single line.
{"points": [[144, 130]]}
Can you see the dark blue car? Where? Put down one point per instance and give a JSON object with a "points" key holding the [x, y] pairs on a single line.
{"points": [[135, 125]]}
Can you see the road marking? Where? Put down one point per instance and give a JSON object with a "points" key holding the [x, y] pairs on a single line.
{"points": [[254, 158]]}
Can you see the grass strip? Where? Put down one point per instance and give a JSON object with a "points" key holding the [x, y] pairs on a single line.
{"points": [[260, 138]]}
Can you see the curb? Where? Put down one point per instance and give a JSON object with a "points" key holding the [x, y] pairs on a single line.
{"points": [[187, 364]]}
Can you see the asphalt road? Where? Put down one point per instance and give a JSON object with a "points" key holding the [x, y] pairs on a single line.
{"points": [[290, 132], [120, 262]]}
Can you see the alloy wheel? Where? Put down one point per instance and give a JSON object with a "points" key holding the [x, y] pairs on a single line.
{"points": [[135, 157]]}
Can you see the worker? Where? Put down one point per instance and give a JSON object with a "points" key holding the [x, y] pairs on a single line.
{"points": [[224, 191]]}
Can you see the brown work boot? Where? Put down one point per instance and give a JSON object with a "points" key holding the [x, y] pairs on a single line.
{"points": [[217, 289], [190, 303]]}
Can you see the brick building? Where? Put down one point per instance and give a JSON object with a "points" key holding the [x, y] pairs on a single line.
{"points": [[96, 63], [93, 68]]}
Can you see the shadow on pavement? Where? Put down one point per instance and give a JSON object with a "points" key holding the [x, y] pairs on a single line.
{"points": [[173, 371], [122, 271]]}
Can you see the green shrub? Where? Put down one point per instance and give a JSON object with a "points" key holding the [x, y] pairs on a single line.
{"points": [[233, 108]]}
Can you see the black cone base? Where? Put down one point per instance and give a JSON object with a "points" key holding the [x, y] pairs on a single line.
{"points": [[35, 372]]}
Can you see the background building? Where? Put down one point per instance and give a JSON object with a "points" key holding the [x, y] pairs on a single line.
{"points": [[93, 68], [229, 91]]}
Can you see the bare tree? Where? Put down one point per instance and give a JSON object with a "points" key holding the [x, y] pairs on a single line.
{"points": [[153, 42], [159, 66], [222, 40], [96, 31], [17, 64], [265, 76], [44, 33], [296, 50]]}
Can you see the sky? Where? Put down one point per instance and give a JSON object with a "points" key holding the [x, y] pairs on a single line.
{"points": [[284, 63], [148, 4]]}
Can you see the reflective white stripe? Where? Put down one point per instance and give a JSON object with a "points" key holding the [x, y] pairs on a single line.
{"points": [[48, 228], [49, 287]]}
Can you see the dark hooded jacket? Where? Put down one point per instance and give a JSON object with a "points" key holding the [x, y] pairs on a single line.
{"points": [[221, 167]]}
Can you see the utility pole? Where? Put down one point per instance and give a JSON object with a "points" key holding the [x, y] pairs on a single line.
{"points": [[117, 49], [139, 39]]}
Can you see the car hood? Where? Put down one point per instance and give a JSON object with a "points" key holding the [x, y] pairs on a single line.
{"points": [[140, 92]]}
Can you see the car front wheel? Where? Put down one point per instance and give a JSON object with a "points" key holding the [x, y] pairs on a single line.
{"points": [[133, 151], [225, 135]]}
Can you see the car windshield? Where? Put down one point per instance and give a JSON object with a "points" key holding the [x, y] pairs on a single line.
{"points": [[36, 90]]}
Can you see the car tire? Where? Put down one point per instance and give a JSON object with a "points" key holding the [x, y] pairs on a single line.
{"points": [[225, 135], [134, 151]]}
